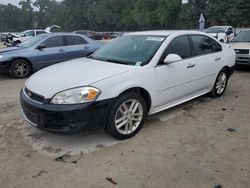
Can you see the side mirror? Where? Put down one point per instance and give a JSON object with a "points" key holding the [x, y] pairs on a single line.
{"points": [[41, 46], [172, 58]]}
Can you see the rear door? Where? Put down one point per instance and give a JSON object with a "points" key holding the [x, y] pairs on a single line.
{"points": [[77, 46], [54, 52], [207, 55]]}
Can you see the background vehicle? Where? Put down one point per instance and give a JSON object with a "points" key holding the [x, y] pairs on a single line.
{"points": [[132, 76], [241, 45], [86, 33], [44, 50], [17, 39], [222, 33]]}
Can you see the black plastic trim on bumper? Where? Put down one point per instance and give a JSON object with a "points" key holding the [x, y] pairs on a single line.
{"points": [[232, 69], [82, 118], [4, 68]]}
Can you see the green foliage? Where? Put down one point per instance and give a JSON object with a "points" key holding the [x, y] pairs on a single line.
{"points": [[122, 15]]}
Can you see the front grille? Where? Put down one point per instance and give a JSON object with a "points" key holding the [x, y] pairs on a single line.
{"points": [[34, 96], [241, 51]]}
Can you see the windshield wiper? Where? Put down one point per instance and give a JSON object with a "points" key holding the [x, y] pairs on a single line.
{"points": [[110, 60], [116, 61]]}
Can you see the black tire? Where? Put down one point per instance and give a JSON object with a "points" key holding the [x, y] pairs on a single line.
{"points": [[216, 92], [19, 69], [111, 125]]}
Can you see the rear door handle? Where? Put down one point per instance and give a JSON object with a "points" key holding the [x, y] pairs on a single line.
{"points": [[190, 66], [61, 50], [217, 58]]}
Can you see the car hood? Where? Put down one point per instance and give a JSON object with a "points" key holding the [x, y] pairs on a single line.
{"points": [[71, 74], [240, 45], [9, 49]]}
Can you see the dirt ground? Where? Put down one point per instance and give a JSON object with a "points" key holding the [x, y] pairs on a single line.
{"points": [[204, 143]]}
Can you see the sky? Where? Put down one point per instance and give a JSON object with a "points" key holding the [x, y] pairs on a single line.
{"points": [[14, 2]]}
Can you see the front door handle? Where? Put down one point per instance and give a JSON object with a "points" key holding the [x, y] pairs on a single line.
{"points": [[217, 58], [86, 47], [61, 50], [190, 66]]}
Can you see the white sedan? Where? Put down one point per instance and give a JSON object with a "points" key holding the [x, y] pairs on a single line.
{"points": [[131, 77]]}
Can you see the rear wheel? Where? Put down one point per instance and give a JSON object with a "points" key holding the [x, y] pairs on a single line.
{"points": [[20, 69], [127, 116], [220, 83]]}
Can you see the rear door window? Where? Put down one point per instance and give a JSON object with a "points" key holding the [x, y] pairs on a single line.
{"points": [[75, 40], [202, 45], [216, 46]]}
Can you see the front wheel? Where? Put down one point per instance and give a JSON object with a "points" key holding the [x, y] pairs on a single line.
{"points": [[20, 68], [220, 83], [127, 116]]}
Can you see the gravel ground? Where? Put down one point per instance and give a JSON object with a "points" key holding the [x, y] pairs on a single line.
{"points": [[203, 143]]}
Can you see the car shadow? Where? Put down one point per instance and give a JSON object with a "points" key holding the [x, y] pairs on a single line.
{"points": [[53, 145], [4, 77], [243, 69]]}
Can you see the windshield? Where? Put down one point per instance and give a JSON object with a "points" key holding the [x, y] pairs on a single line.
{"points": [[136, 50], [216, 30], [243, 36], [32, 41]]}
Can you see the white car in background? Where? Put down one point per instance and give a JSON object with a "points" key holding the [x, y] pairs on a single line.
{"points": [[241, 45], [120, 84], [17, 39], [222, 33]]}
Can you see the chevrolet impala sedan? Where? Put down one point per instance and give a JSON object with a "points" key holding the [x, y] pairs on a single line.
{"points": [[131, 77]]}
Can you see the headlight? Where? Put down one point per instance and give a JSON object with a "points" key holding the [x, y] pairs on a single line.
{"points": [[1, 56], [76, 96]]}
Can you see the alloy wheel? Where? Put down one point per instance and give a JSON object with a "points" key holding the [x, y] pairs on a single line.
{"points": [[221, 83], [21, 69], [128, 116]]}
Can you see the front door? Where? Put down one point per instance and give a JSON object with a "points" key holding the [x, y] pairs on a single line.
{"points": [[54, 52], [175, 81]]}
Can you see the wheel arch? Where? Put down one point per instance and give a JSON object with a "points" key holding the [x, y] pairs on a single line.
{"points": [[227, 69], [141, 91], [22, 58]]}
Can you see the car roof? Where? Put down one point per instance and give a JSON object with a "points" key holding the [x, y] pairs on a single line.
{"points": [[60, 34], [220, 26], [34, 30], [165, 32], [63, 33], [245, 30]]}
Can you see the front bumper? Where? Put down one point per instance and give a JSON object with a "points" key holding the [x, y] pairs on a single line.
{"points": [[4, 68], [243, 59], [82, 118]]}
